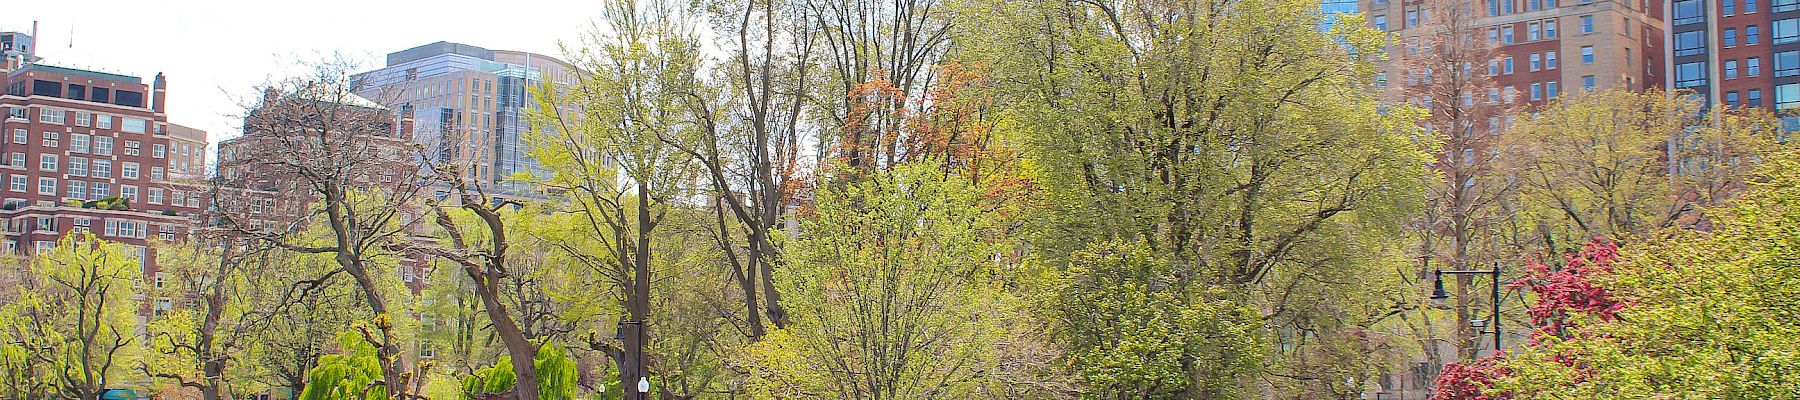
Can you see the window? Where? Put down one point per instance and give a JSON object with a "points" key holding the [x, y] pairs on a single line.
{"points": [[1753, 98], [83, 118], [1730, 7], [52, 139], [133, 125], [1506, 65], [78, 143], [1537, 61], [16, 112], [128, 170], [100, 190], [112, 227], [1690, 43], [102, 169], [82, 225], [1783, 5], [1749, 6], [18, 183], [1381, 22], [1731, 99], [1493, 67], [1787, 96], [159, 151], [1587, 24], [156, 173], [1550, 60], [1506, 34], [131, 147], [1550, 29], [1750, 35], [103, 145], [1550, 89], [78, 166], [1785, 31], [47, 186], [50, 115], [20, 136], [1688, 12], [48, 162], [18, 160], [155, 196], [1752, 66], [1690, 74], [77, 189], [1729, 38], [1537, 91], [1731, 69], [128, 192], [1587, 54], [1534, 31], [1787, 63], [1493, 35]]}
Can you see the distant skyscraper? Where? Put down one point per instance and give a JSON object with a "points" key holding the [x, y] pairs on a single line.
{"points": [[469, 105]]}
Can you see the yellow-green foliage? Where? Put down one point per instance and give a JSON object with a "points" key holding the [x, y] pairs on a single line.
{"points": [[556, 376], [1711, 315], [349, 375]]}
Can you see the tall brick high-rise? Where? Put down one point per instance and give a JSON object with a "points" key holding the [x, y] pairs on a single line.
{"points": [[1738, 53]]}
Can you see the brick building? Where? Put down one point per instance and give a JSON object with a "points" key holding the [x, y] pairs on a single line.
{"points": [[78, 142], [1738, 53]]}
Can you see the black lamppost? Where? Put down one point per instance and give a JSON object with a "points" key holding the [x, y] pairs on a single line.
{"points": [[643, 383], [1437, 293]]}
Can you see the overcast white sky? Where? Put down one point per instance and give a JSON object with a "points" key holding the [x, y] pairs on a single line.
{"points": [[215, 52]]}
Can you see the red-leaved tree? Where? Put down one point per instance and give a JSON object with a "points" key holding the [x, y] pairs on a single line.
{"points": [[1562, 293]]}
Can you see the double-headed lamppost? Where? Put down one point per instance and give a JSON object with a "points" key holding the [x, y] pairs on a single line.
{"points": [[1437, 293]]}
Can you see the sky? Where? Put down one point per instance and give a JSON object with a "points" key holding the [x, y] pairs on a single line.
{"points": [[214, 53]]}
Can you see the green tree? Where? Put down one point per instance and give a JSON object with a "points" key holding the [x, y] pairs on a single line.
{"points": [[893, 288], [73, 325], [1709, 314], [1245, 148]]}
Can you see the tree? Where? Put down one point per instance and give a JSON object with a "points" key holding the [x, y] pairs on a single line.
{"points": [[1595, 165], [1446, 72], [892, 285], [1135, 334], [749, 146], [1704, 314], [1241, 145], [73, 326], [198, 347], [312, 138], [606, 150], [482, 256]]}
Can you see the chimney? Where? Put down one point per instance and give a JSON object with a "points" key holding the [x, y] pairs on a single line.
{"points": [[406, 122], [160, 94]]}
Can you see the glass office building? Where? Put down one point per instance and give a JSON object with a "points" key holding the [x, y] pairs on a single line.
{"points": [[469, 105]]}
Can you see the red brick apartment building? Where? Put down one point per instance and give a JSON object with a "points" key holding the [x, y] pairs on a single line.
{"points": [[72, 137]]}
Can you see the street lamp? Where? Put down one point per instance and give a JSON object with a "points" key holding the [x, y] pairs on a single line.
{"points": [[1438, 294]]}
